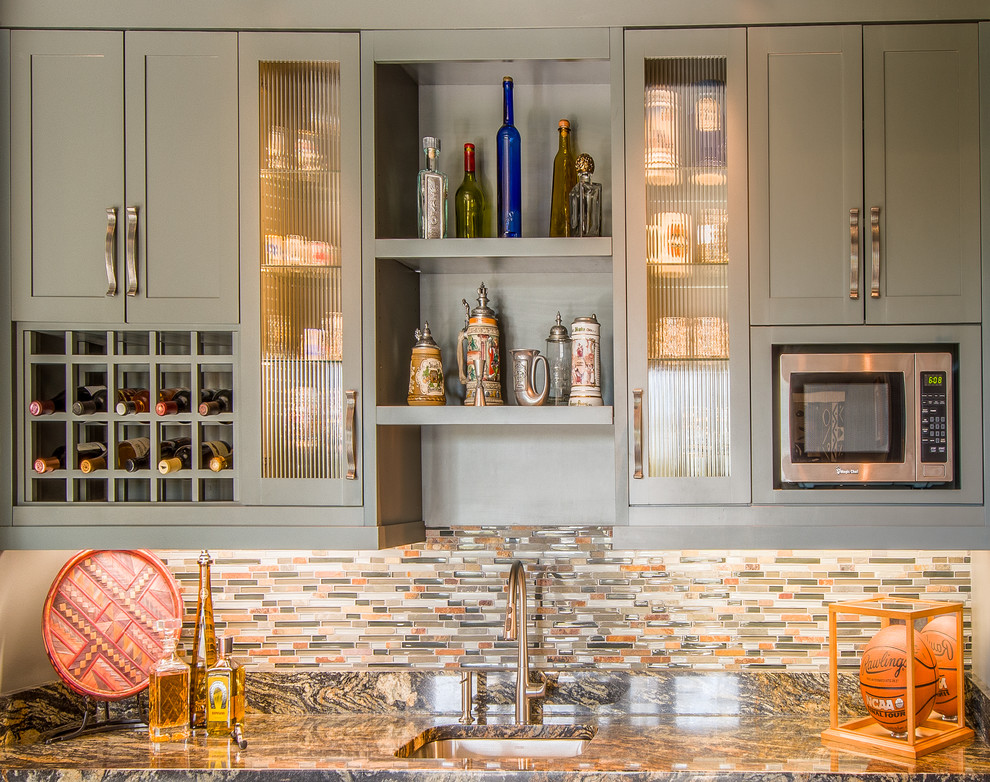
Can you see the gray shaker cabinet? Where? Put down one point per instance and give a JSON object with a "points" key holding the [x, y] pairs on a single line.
{"points": [[124, 179], [864, 176]]}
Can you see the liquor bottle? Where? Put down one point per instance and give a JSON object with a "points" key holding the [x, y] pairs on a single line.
{"points": [[132, 400], [215, 401], [564, 179], [224, 692], [89, 400], [469, 201], [204, 649], [586, 200], [142, 461], [51, 463], [92, 456], [172, 401], [182, 458], [509, 163], [431, 212], [48, 406], [168, 689]]}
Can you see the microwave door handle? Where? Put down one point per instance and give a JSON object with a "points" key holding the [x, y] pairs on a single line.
{"points": [[875, 248], [854, 253]]}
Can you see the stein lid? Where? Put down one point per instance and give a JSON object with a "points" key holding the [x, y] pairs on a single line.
{"points": [[424, 338], [482, 310], [558, 333], [592, 319]]}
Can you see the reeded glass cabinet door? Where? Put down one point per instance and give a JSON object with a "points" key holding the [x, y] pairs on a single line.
{"points": [[687, 309], [300, 252]]}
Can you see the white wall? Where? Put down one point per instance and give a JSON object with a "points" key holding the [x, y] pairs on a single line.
{"points": [[25, 577]]}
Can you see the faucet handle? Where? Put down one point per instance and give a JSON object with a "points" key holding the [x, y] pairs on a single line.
{"points": [[538, 690]]}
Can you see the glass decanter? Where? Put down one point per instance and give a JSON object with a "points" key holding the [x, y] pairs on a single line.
{"points": [[168, 688]]}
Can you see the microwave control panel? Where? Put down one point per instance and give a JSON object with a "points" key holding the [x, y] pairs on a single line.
{"points": [[934, 417]]}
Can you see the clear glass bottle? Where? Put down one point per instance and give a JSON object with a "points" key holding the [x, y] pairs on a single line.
{"points": [[559, 364], [432, 209], [224, 705], [469, 201], [564, 179], [168, 688], [586, 200], [509, 164], [204, 648]]}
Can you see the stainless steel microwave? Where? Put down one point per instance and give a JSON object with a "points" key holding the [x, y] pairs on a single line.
{"points": [[866, 418]]}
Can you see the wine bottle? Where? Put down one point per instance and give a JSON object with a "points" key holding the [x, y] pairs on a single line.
{"points": [[469, 201], [204, 648], [431, 211], [92, 456], [48, 406], [51, 463], [89, 400], [219, 462], [172, 401], [215, 401], [564, 179], [509, 164], [132, 400], [166, 448]]}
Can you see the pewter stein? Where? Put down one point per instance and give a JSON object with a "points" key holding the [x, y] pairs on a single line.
{"points": [[426, 371], [586, 367], [481, 322], [524, 363]]}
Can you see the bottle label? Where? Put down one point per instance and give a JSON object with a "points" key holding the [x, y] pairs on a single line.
{"points": [[433, 196], [217, 448], [140, 445], [218, 705]]}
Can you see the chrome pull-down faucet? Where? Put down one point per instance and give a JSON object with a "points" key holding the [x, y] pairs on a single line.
{"points": [[515, 630]]}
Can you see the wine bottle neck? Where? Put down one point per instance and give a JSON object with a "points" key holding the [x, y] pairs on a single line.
{"points": [[507, 118]]}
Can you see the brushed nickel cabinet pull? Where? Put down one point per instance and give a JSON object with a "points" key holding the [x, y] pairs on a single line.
{"points": [[132, 221], [350, 441], [854, 253], [110, 254], [637, 433], [875, 248]]}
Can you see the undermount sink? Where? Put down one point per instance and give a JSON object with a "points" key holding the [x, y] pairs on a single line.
{"points": [[495, 742]]}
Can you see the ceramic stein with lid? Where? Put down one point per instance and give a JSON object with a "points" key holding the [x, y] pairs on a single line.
{"points": [[480, 334], [426, 371]]}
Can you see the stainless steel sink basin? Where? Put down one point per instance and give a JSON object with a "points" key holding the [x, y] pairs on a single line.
{"points": [[496, 742]]}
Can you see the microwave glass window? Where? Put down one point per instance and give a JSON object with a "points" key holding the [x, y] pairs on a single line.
{"points": [[841, 419]]}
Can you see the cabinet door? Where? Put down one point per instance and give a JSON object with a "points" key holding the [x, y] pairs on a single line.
{"points": [[67, 109], [806, 164], [301, 284], [922, 140], [182, 177], [687, 271]]}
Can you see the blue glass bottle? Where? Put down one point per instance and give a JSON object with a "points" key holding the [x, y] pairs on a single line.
{"points": [[509, 146]]}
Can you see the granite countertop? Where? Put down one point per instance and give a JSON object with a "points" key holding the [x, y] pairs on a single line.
{"points": [[345, 747]]}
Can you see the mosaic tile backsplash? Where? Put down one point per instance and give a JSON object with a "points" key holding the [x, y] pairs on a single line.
{"points": [[441, 603]]}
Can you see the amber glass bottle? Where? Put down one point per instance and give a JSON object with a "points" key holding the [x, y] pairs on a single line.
{"points": [[564, 178], [204, 648]]}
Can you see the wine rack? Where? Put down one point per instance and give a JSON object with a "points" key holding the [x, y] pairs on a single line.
{"points": [[58, 361]]}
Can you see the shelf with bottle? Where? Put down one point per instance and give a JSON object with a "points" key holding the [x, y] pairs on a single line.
{"points": [[109, 441], [428, 86], [528, 255]]}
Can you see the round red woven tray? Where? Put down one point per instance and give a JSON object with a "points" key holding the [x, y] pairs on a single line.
{"points": [[99, 620]]}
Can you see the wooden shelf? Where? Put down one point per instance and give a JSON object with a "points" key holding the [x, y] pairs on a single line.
{"points": [[456, 414], [536, 255]]}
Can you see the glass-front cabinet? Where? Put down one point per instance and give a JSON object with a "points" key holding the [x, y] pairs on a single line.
{"points": [[687, 266], [300, 251]]}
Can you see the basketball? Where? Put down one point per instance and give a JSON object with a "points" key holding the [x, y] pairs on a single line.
{"points": [[940, 635], [883, 678]]}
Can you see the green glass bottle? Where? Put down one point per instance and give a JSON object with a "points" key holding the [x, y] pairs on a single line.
{"points": [[564, 179], [469, 201]]}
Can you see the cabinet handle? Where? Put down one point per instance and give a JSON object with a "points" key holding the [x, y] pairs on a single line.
{"points": [[875, 248], [350, 441], [110, 254], [637, 433], [132, 221], [854, 253]]}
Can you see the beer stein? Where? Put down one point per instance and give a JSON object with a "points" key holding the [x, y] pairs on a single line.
{"points": [[586, 367], [481, 322], [524, 364], [426, 371], [559, 360]]}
